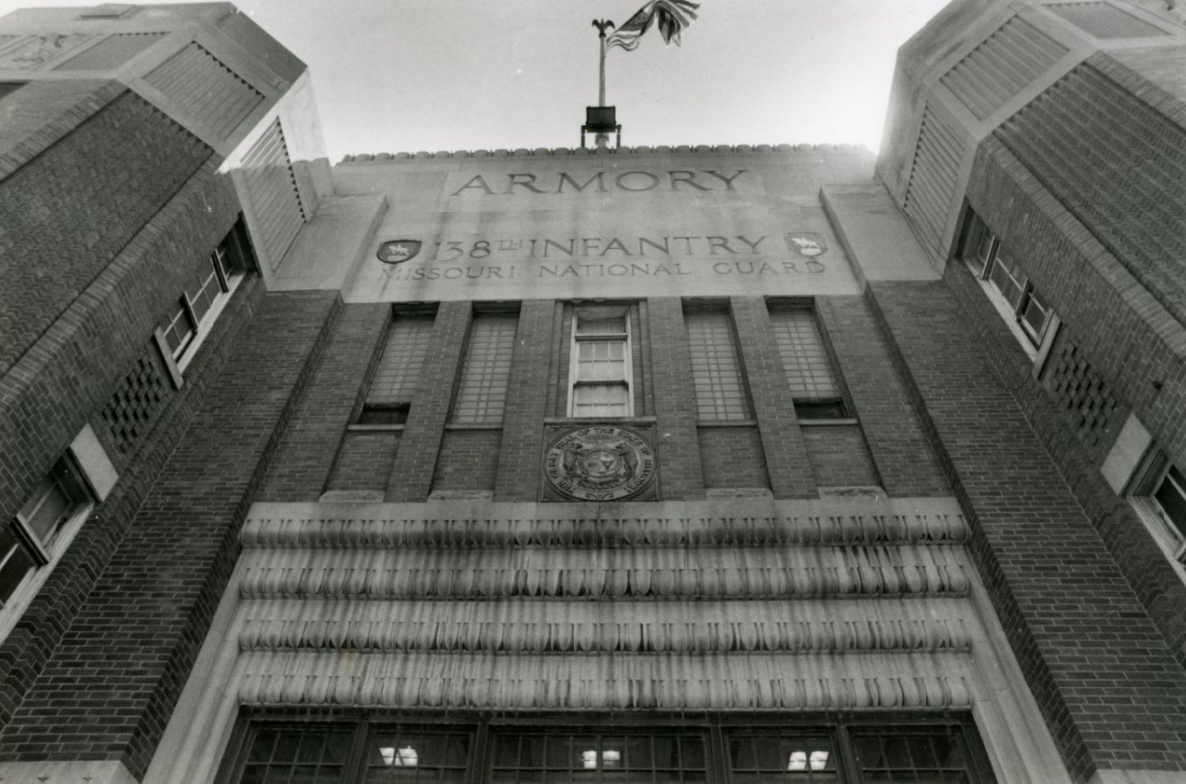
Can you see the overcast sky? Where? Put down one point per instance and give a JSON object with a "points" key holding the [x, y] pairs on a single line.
{"points": [[408, 75]]}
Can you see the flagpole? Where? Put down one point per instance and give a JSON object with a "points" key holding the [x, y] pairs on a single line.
{"points": [[601, 139], [601, 92]]}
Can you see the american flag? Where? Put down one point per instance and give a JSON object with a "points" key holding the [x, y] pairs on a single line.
{"points": [[671, 16]]}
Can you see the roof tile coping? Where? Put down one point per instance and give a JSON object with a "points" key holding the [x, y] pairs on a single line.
{"points": [[523, 152]]}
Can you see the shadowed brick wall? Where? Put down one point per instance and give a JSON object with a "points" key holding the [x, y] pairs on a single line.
{"points": [[676, 439], [1138, 347], [523, 429], [1105, 680], [154, 601], [70, 210], [901, 454], [781, 442], [28, 647], [1150, 574], [411, 475], [301, 467], [468, 460], [80, 361], [839, 457]]}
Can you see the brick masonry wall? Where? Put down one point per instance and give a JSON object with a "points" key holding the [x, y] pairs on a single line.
{"points": [[28, 646], [783, 446], [364, 461], [531, 380], [468, 460], [73, 208], [731, 457], [677, 441], [149, 610], [75, 366], [302, 464], [1086, 400], [839, 456], [1106, 682], [411, 475], [1130, 340], [904, 459], [1157, 585]]}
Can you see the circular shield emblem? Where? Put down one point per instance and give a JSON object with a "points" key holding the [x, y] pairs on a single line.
{"points": [[600, 463]]}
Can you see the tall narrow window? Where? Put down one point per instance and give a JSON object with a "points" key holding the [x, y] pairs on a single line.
{"points": [[814, 383], [486, 370], [398, 374], [600, 376], [717, 377]]}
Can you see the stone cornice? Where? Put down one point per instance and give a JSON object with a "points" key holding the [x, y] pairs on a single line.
{"points": [[559, 152]]}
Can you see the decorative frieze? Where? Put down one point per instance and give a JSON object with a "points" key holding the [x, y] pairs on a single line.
{"points": [[677, 682], [351, 530], [605, 574], [566, 628]]}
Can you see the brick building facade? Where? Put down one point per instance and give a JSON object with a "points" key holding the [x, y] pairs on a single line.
{"points": [[689, 464]]}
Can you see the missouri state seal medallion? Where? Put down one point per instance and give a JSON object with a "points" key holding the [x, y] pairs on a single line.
{"points": [[600, 463]]}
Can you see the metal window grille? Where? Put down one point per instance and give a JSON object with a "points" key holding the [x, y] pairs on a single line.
{"points": [[486, 370], [398, 373], [805, 359], [311, 754], [716, 367], [446, 753]]}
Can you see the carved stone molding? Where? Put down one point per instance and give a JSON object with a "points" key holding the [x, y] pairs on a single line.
{"points": [[566, 628], [350, 532], [693, 682], [605, 574]]}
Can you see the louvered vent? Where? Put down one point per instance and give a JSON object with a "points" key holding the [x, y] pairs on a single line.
{"points": [[1002, 66], [205, 89], [933, 176], [1104, 20], [272, 189], [112, 52]]}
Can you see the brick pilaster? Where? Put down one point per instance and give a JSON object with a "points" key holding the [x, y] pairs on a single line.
{"points": [[903, 456], [523, 422], [680, 471], [415, 462], [301, 467], [782, 442]]}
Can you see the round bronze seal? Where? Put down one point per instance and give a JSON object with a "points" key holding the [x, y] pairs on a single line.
{"points": [[600, 463]]}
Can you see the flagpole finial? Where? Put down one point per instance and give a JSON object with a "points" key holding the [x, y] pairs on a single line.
{"points": [[602, 25]]}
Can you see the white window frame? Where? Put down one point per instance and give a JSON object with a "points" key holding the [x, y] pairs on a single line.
{"points": [[178, 359], [95, 477], [599, 313], [1146, 481], [980, 251]]}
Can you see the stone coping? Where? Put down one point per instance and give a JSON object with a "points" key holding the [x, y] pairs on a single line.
{"points": [[523, 152]]}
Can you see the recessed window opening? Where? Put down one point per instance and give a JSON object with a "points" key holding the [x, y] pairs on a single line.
{"points": [[1007, 284], [396, 377], [718, 379], [601, 369], [811, 376], [28, 541]]}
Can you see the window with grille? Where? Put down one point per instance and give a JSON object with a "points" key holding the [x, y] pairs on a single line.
{"points": [[811, 376], [1006, 282], [561, 752], [486, 369], [717, 377], [398, 374], [601, 365]]}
